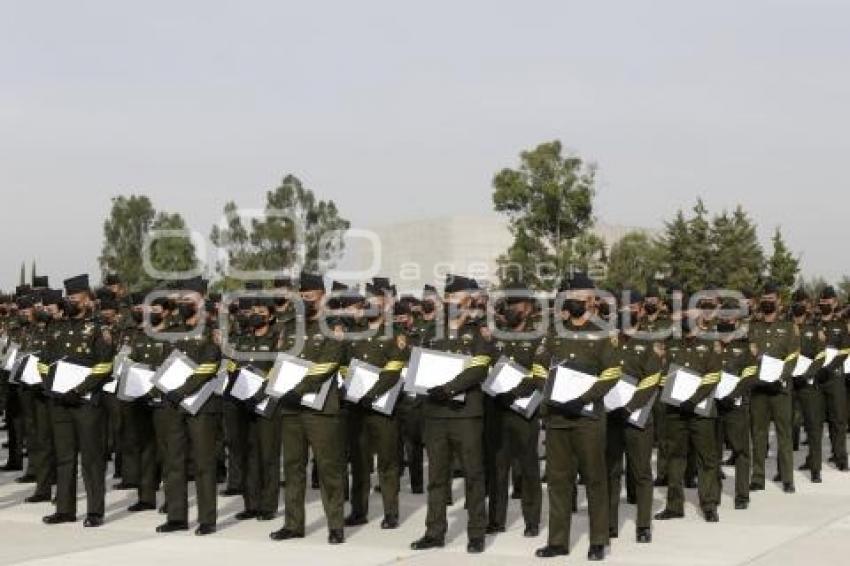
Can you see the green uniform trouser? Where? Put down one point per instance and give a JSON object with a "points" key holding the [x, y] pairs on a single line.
{"points": [[79, 430], [516, 444], [686, 431], [27, 400], [15, 425], [140, 431], [764, 408], [129, 443], [41, 453], [182, 431], [659, 412], [834, 393], [446, 438], [577, 449], [811, 406], [736, 429], [262, 475], [236, 442], [636, 444], [114, 426], [322, 433], [373, 433], [412, 423]]}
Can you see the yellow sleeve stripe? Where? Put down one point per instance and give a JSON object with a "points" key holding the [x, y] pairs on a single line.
{"points": [[319, 369], [710, 378], [821, 355], [791, 357], [208, 366], [394, 366], [343, 371], [650, 381], [479, 361], [611, 374], [43, 369], [539, 371], [750, 371], [844, 352], [102, 368], [231, 366]]}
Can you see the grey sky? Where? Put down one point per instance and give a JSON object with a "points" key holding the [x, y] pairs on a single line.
{"points": [[400, 110]]}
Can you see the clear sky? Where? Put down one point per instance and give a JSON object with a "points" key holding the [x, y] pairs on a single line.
{"points": [[403, 110]]}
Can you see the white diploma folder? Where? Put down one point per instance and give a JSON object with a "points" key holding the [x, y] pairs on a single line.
{"points": [[361, 378], [68, 376], [29, 374], [831, 354], [174, 372], [680, 386], [135, 381], [193, 403], [728, 383], [802, 366], [620, 395], [10, 356], [248, 383], [771, 369], [432, 368], [287, 373], [566, 384], [504, 377]]}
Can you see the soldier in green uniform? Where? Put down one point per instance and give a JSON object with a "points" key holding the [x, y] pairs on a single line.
{"points": [[517, 437], [806, 385], [638, 359], [685, 430], [834, 348], [656, 326], [304, 428], [455, 428], [371, 432], [575, 433], [28, 309], [141, 415], [779, 339], [14, 404], [410, 406], [41, 452], [737, 359], [198, 431], [78, 419], [255, 351]]}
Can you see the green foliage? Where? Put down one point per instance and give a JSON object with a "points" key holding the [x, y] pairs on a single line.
{"points": [[548, 200], [268, 243], [634, 261], [783, 267], [130, 221], [737, 257]]}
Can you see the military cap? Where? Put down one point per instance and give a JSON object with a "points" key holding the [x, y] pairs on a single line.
{"points": [[311, 282], [112, 279], [267, 302], [103, 294], [51, 297], [22, 290], [25, 302], [799, 296], [246, 303], [517, 292], [828, 293], [632, 295], [429, 290], [40, 281], [282, 283], [401, 308], [195, 284], [253, 285], [137, 298], [455, 284], [109, 304], [652, 291], [576, 281], [769, 288], [77, 284]]}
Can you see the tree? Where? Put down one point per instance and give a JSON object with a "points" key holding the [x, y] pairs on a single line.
{"points": [[124, 231], [634, 261], [269, 243], [738, 259], [549, 203], [172, 254], [782, 267], [812, 286], [676, 244]]}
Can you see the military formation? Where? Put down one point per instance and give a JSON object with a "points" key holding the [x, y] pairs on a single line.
{"points": [[258, 446]]}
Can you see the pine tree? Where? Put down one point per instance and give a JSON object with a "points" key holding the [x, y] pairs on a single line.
{"points": [[782, 267]]}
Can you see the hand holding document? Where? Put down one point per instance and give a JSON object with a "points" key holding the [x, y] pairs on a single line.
{"points": [[288, 371], [566, 384], [728, 383], [432, 368], [247, 384], [68, 376], [174, 372], [135, 381], [620, 395], [505, 376], [771, 369]]}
